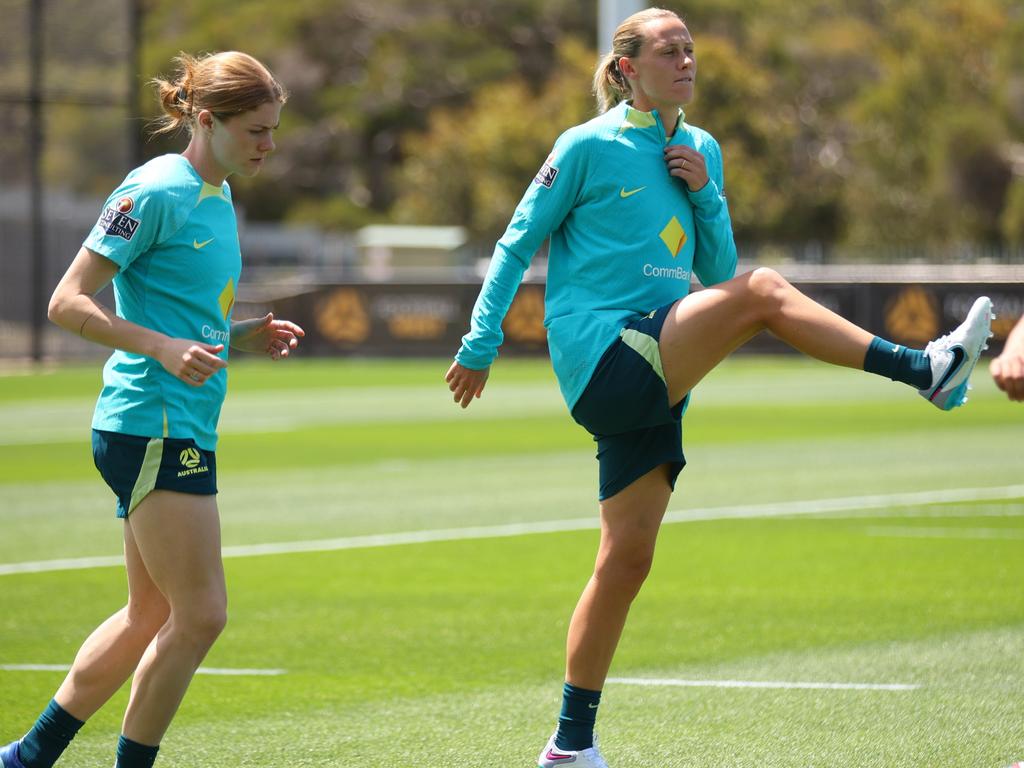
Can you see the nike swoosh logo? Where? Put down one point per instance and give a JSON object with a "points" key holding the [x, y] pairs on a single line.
{"points": [[592, 706], [623, 193], [552, 755], [958, 358], [197, 245]]}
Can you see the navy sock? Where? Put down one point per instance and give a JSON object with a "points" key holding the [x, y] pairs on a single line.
{"points": [[576, 723], [131, 754], [911, 366], [49, 737]]}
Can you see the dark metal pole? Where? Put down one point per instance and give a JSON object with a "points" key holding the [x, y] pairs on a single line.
{"points": [[132, 101], [36, 148]]}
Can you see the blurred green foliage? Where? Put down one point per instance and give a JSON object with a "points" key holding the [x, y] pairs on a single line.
{"points": [[854, 122]]}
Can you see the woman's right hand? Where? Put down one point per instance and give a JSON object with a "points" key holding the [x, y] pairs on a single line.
{"points": [[191, 361], [466, 383]]}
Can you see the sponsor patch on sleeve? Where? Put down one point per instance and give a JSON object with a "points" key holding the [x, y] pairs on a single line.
{"points": [[115, 219], [546, 174]]}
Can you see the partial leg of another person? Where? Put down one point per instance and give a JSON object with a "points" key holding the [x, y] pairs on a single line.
{"points": [[178, 536], [103, 664], [705, 327], [630, 521]]}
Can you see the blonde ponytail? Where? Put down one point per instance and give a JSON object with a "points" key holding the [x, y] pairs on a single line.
{"points": [[610, 86]]}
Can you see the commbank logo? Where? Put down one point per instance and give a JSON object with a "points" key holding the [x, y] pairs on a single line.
{"points": [[189, 457], [674, 236]]}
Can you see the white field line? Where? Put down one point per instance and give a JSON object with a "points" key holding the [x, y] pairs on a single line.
{"points": [[778, 509], [201, 671], [911, 532], [762, 684]]}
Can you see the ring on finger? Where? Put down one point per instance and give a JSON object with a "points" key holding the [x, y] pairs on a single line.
{"points": [[194, 376]]}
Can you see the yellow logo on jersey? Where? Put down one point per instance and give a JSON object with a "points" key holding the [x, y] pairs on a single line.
{"points": [[227, 298], [197, 245], [674, 236], [624, 194]]}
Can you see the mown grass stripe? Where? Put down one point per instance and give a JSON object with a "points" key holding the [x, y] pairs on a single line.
{"points": [[779, 509], [219, 671], [909, 532], [763, 684]]}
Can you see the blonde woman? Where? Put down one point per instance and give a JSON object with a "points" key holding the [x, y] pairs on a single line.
{"points": [[167, 239], [633, 203]]}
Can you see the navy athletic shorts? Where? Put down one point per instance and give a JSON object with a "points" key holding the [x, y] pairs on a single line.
{"points": [[133, 466], [625, 407]]}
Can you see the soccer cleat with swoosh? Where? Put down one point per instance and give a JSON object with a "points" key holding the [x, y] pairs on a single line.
{"points": [[553, 757], [954, 356], [9, 757]]}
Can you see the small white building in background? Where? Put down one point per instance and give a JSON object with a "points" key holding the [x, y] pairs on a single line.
{"points": [[389, 251]]}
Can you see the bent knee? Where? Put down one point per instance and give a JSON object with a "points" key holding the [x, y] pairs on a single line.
{"points": [[766, 283], [626, 571], [768, 288], [210, 623], [202, 624]]}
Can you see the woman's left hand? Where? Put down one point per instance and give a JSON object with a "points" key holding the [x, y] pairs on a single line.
{"points": [[687, 164], [266, 335], [1008, 373]]}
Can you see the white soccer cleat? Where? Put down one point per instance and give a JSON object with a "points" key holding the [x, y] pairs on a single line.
{"points": [[954, 356], [553, 757]]}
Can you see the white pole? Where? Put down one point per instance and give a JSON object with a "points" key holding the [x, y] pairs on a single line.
{"points": [[611, 13]]}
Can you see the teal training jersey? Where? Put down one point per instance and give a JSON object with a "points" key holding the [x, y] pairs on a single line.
{"points": [[625, 238], [174, 239]]}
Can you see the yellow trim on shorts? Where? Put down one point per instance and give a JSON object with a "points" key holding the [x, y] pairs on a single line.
{"points": [[645, 346], [146, 480]]}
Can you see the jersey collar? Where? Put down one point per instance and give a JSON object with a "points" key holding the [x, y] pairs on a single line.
{"points": [[636, 118]]}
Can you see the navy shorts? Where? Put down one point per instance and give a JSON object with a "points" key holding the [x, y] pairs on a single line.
{"points": [[133, 466], [625, 407]]}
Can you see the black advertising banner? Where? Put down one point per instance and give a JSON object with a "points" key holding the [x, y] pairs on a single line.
{"points": [[379, 319], [429, 319]]}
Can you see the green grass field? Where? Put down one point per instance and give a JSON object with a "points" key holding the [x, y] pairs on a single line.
{"points": [[831, 528]]}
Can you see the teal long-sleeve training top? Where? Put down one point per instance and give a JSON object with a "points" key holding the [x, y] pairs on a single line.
{"points": [[625, 238]]}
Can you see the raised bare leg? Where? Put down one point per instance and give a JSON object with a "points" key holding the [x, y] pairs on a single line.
{"points": [[705, 327]]}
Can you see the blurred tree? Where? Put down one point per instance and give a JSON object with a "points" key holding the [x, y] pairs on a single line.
{"points": [[1012, 221], [472, 164], [866, 122], [928, 132], [361, 73]]}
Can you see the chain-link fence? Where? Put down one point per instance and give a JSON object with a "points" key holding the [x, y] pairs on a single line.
{"points": [[68, 89]]}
